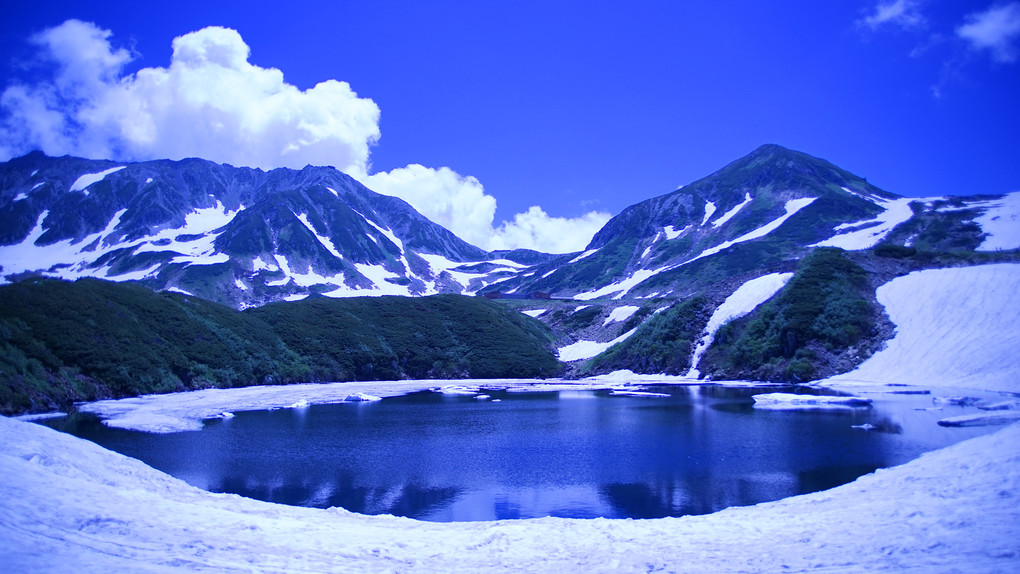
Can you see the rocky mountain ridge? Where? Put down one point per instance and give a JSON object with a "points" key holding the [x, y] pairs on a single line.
{"points": [[238, 236]]}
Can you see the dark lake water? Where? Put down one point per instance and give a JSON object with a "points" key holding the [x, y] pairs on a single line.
{"points": [[581, 454]]}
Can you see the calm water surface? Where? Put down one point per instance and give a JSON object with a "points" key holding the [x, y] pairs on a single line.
{"points": [[581, 454]]}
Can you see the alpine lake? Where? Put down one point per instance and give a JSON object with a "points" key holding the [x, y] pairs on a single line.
{"points": [[497, 453]]}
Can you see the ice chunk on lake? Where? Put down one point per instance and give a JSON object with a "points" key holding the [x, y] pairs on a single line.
{"points": [[1001, 406], [982, 419], [790, 401], [628, 393], [459, 390], [299, 404], [361, 398], [957, 401]]}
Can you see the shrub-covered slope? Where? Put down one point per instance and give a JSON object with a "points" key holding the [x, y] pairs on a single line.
{"points": [[63, 342], [825, 310], [382, 338], [663, 344]]}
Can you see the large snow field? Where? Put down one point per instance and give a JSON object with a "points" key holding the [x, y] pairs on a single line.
{"points": [[956, 327], [70, 505], [1002, 224]]}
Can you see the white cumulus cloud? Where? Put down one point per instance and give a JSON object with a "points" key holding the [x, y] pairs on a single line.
{"points": [[997, 29], [212, 102], [542, 232], [461, 205], [456, 202]]}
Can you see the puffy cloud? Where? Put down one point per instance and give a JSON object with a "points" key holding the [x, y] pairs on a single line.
{"points": [[456, 202], [535, 229], [211, 102], [996, 29], [903, 13], [461, 205]]}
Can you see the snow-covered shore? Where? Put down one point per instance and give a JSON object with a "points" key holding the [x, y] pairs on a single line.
{"points": [[70, 505]]}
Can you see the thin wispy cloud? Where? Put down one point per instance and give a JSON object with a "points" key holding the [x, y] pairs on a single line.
{"points": [[996, 30], [212, 102], [898, 13]]}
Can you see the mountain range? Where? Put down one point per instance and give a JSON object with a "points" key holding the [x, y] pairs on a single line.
{"points": [[240, 236], [653, 275]]}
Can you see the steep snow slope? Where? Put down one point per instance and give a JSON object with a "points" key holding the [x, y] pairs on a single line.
{"points": [[1002, 224], [954, 327]]}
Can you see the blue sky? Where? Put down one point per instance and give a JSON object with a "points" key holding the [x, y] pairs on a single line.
{"points": [[525, 123]]}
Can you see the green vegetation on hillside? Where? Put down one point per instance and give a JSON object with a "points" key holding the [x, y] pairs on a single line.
{"points": [[64, 342], [663, 344], [384, 338], [824, 309]]}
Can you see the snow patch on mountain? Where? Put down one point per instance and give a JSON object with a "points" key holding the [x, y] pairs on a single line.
{"points": [[709, 210], [866, 234], [587, 253], [729, 214], [303, 279], [68, 258], [83, 182], [325, 241], [588, 349], [257, 264], [1001, 221], [461, 273], [623, 286], [194, 241], [672, 233], [792, 207], [745, 299], [620, 314], [388, 233]]}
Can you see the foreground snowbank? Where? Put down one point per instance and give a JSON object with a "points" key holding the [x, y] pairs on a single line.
{"points": [[69, 505]]}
